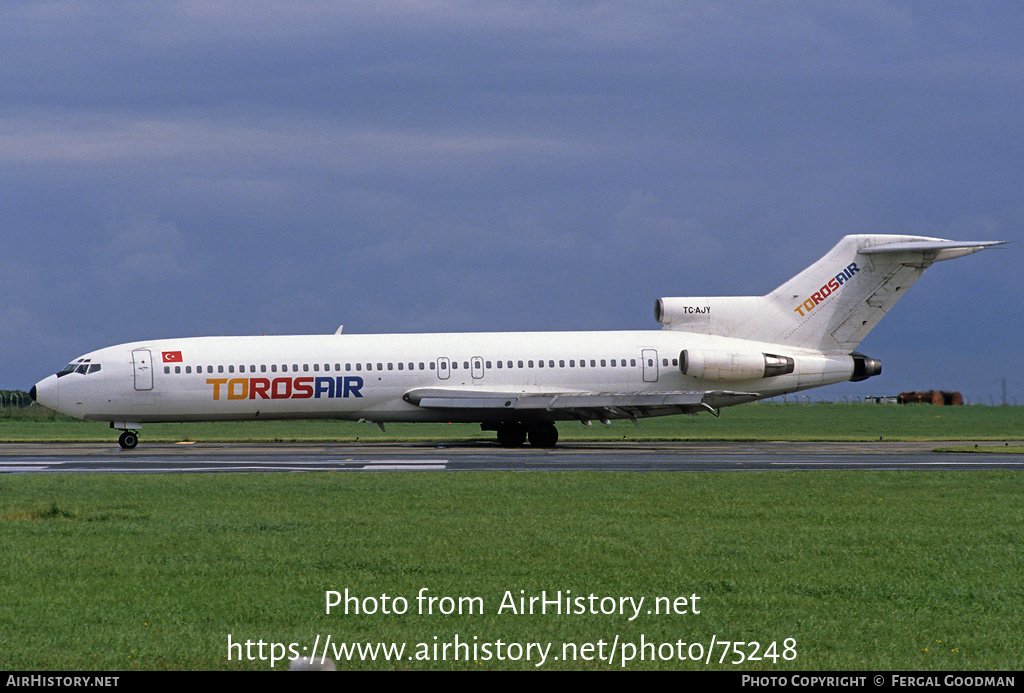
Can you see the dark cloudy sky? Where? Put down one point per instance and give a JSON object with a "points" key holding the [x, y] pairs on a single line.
{"points": [[216, 167]]}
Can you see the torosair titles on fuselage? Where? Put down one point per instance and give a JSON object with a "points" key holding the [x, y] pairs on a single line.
{"points": [[711, 352]]}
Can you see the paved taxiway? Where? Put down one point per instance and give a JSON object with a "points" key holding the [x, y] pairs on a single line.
{"points": [[156, 458]]}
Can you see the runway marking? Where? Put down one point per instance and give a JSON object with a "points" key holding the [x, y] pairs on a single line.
{"points": [[205, 466], [434, 467]]}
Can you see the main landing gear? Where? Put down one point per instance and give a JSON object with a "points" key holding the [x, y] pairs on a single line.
{"points": [[513, 435], [128, 440]]}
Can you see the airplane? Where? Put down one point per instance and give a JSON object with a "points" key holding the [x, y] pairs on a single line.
{"points": [[712, 352]]}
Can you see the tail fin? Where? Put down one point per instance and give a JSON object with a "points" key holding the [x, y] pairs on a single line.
{"points": [[830, 306]]}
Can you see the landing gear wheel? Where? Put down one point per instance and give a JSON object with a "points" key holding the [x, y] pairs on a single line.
{"points": [[511, 435], [543, 437], [128, 440]]}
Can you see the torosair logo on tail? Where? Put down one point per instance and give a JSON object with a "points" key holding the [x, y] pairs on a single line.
{"points": [[824, 292]]}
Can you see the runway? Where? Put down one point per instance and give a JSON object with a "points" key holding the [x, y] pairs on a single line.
{"points": [[206, 458]]}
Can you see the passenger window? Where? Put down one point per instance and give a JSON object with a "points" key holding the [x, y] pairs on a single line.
{"points": [[188, 369], [664, 362], [632, 362], [316, 367], [231, 369], [602, 363], [380, 366], [167, 370], [273, 368], [391, 366], [177, 369], [540, 364], [359, 366], [401, 366], [520, 364], [305, 367], [572, 363]]}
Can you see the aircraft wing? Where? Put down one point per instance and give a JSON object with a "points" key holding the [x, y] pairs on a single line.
{"points": [[583, 405]]}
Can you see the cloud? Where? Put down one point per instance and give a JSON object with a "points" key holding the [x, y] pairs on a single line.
{"points": [[144, 250]]}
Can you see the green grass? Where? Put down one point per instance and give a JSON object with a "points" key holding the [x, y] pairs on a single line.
{"points": [[767, 421], [866, 570]]}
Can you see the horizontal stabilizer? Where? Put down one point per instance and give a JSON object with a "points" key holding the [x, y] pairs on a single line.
{"points": [[934, 250]]}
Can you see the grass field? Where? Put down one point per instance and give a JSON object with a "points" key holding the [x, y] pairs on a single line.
{"points": [[862, 570], [767, 421], [868, 570]]}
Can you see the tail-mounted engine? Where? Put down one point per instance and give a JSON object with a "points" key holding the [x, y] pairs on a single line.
{"points": [[727, 365], [864, 367]]}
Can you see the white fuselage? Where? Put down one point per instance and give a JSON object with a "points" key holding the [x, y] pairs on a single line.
{"points": [[367, 377]]}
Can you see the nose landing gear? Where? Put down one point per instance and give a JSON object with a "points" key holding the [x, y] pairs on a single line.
{"points": [[128, 440]]}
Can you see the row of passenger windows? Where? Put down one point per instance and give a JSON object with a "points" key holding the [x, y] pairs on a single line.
{"points": [[412, 366]]}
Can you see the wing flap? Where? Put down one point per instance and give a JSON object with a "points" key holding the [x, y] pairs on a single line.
{"points": [[619, 404]]}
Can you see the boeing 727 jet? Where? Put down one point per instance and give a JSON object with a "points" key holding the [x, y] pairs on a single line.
{"points": [[710, 353]]}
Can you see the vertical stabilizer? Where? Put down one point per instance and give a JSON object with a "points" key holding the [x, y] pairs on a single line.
{"points": [[830, 306]]}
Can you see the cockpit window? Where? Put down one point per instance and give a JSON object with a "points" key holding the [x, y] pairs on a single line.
{"points": [[83, 366]]}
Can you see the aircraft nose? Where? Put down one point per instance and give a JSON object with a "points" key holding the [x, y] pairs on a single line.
{"points": [[46, 392]]}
